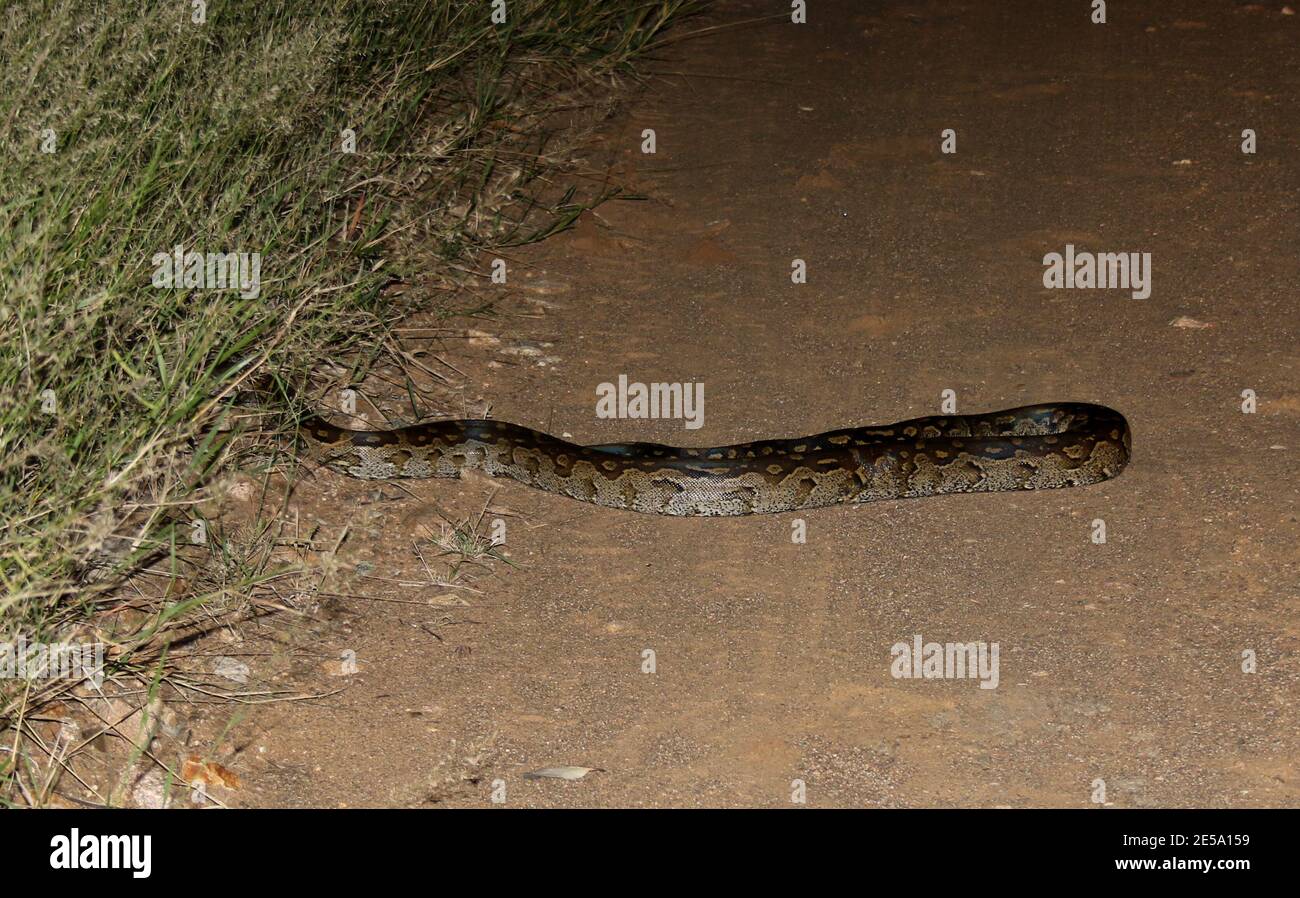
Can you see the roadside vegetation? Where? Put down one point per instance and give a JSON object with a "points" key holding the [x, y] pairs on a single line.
{"points": [[343, 143]]}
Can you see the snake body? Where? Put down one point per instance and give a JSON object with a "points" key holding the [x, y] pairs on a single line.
{"points": [[1035, 447]]}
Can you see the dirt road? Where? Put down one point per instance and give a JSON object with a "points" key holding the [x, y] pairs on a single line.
{"points": [[1120, 677]]}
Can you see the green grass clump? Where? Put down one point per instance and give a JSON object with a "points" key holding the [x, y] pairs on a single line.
{"points": [[130, 129]]}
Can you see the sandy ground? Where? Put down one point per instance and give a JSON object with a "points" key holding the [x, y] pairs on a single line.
{"points": [[1121, 663]]}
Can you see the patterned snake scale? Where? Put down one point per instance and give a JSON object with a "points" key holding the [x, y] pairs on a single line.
{"points": [[1036, 447]]}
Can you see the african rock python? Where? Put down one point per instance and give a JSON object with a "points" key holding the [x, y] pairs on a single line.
{"points": [[1036, 447]]}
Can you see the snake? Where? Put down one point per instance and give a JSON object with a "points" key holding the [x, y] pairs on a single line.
{"points": [[1033, 447]]}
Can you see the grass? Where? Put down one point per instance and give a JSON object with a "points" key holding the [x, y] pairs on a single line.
{"points": [[131, 129], [467, 543]]}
